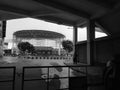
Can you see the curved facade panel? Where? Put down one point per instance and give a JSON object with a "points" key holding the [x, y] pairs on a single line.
{"points": [[37, 34]]}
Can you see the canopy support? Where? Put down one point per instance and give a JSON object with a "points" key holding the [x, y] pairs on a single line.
{"points": [[90, 42]]}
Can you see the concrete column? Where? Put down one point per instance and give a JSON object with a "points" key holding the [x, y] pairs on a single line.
{"points": [[90, 42], [55, 43], [59, 50], [13, 41], [74, 43]]}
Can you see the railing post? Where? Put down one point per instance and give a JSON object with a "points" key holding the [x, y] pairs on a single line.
{"points": [[23, 78], [68, 75], [48, 79], [87, 76], [68, 72], [14, 71]]}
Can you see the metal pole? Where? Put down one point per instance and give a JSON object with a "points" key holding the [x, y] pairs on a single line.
{"points": [[14, 71], [75, 35], [68, 76], [74, 43], [23, 78], [48, 79], [87, 76]]}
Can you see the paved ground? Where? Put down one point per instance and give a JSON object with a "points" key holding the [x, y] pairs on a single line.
{"points": [[32, 73]]}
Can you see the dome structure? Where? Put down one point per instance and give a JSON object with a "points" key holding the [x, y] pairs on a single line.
{"points": [[37, 34]]}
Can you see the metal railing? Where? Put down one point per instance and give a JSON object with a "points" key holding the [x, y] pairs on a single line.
{"points": [[83, 72], [13, 75], [48, 72]]}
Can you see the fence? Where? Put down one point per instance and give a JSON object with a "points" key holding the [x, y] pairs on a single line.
{"points": [[82, 77], [49, 78], [13, 76]]}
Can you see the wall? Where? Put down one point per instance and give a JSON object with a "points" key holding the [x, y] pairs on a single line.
{"points": [[81, 51], [105, 48]]}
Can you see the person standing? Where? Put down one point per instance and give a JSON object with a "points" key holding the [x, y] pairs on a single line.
{"points": [[112, 74]]}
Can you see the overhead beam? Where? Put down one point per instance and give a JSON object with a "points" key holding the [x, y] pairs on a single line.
{"points": [[103, 3], [56, 20], [81, 22], [21, 12], [42, 13], [13, 10], [64, 8]]}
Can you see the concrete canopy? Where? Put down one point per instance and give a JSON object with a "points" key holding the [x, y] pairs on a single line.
{"points": [[67, 12]]}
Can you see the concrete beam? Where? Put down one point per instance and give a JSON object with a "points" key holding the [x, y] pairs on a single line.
{"points": [[42, 13], [106, 4], [64, 8], [13, 10]]}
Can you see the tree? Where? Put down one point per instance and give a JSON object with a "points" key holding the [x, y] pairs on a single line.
{"points": [[67, 45], [26, 47]]}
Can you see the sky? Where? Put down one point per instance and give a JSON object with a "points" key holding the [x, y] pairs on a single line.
{"points": [[30, 23]]}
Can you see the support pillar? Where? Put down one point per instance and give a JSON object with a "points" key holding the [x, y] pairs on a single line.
{"points": [[74, 36], [74, 43], [13, 42], [90, 42], [59, 50]]}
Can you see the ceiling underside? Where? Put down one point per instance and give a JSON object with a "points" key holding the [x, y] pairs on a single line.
{"points": [[106, 13]]}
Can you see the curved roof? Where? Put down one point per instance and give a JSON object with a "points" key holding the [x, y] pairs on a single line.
{"points": [[37, 34]]}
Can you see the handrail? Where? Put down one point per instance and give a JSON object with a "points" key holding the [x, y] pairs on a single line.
{"points": [[55, 66]]}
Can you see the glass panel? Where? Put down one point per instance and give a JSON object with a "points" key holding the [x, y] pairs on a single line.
{"points": [[35, 85], [82, 34], [35, 73], [6, 74], [5, 85], [78, 71], [61, 71], [99, 33], [56, 84]]}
